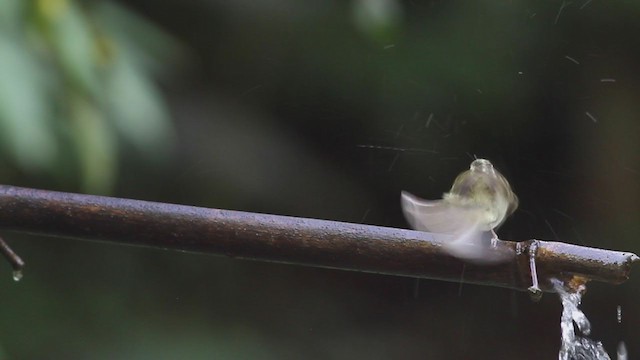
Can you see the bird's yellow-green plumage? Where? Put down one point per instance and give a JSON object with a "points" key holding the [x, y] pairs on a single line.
{"points": [[484, 187], [479, 201]]}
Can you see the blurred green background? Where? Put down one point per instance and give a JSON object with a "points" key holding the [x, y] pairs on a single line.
{"points": [[323, 109]]}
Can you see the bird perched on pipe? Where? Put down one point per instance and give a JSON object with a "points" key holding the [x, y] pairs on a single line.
{"points": [[479, 201]]}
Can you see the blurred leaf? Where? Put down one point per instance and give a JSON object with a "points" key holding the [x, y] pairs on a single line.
{"points": [[73, 40], [24, 128], [145, 45], [379, 20], [96, 147], [133, 101], [136, 108], [10, 14], [96, 57]]}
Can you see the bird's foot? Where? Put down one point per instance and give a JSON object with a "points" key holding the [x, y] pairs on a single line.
{"points": [[494, 239]]}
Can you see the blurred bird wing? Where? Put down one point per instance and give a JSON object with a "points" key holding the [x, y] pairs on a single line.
{"points": [[463, 223], [469, 244], [439, 216]]}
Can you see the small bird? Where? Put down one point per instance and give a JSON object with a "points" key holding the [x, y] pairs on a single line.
{"points": [[479, 201]]}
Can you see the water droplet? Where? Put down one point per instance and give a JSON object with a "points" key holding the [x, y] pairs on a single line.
{"points": [[622, 351], [17, 275], [619, 313]]}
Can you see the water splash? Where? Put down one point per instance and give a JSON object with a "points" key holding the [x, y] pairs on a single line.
{"points": [[17, 275], [576, 345]]}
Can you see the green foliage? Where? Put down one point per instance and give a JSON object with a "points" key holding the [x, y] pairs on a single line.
{"points": [[75, 79], [378, 20], [25, 119]]}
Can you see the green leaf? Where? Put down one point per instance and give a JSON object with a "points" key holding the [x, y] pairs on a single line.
{"points": [[24, 124], [145, 45], [137, 109], [75, 47], [10, 14], [95, 145], [378, 20]]}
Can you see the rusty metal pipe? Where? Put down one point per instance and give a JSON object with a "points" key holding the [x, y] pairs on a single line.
{"points": [[293, 240]]}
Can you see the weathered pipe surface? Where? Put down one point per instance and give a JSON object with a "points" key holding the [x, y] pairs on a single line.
{"points": [[294, 240]]}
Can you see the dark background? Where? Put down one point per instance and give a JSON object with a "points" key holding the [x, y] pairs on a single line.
{"points": [[313, 109]]}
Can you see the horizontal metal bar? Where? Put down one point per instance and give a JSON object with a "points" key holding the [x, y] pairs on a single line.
{"points": [[293, 240]]}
